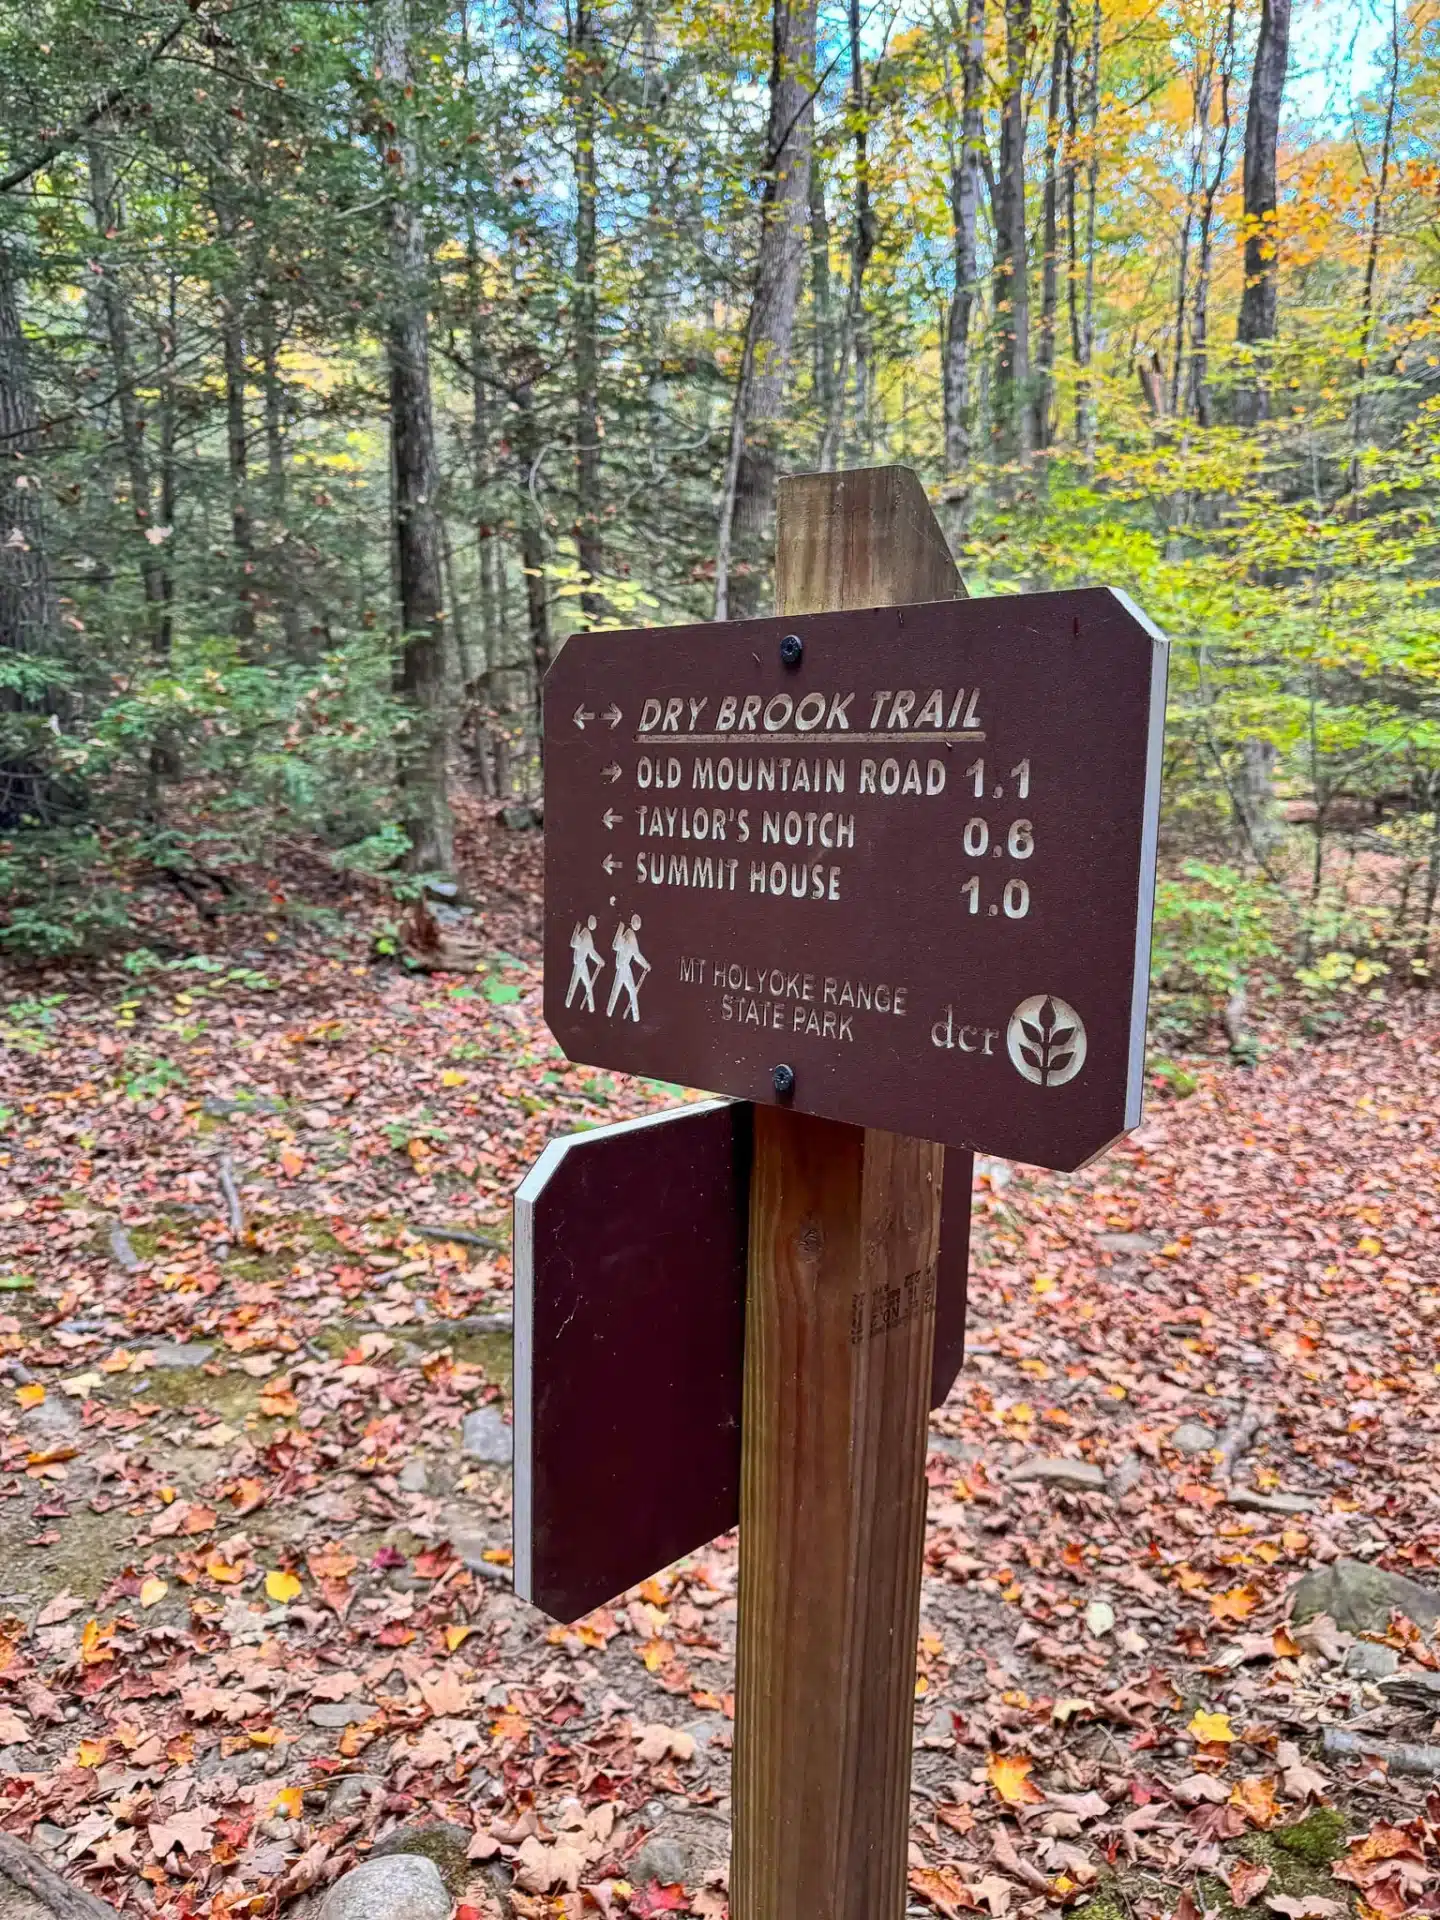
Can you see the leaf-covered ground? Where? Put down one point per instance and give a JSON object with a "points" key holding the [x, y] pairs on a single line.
{"points": [[254, 1597]]}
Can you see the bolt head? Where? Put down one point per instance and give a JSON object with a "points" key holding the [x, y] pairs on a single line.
{"points": [[783, 1079], [792, 650]]}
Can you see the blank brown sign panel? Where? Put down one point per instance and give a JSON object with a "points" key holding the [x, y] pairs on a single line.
{"points": [[906, 853], [630, 1256]]}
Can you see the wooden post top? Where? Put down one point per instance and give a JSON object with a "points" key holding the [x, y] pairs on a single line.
{"points": [[872, 529]]}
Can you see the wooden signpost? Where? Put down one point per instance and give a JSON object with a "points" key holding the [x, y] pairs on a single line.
{"points": [[883, 868]]}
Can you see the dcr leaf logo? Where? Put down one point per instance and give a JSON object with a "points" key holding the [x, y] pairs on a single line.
{"points": [[1046, 1040]]}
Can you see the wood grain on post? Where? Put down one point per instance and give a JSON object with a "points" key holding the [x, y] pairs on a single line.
{"points": [[844, 1239]]}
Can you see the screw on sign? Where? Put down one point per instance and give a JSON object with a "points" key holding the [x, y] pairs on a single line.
{"points": [[884, 871]]}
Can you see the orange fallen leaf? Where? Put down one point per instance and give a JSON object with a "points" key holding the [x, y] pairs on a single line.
{"points": [[1009, 1774], [278, 1403], [1255, 1798], [95, 1645], [29, 1396], [1236, 1603], [292, 1162], [1245, 1880]]}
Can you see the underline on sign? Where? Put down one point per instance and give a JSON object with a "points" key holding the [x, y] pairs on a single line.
{"points": [[802, 739]]}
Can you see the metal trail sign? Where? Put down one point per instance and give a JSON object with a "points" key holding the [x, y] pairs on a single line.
{"points": [[893, 867]]}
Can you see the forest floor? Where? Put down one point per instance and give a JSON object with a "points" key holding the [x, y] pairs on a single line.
{"points": [[254, 1605]]}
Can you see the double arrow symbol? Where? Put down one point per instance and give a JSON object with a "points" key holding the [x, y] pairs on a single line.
{"points": [[612, 716]]}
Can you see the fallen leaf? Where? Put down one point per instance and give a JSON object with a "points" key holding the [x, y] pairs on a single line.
{"points": [[282, 1586], [60, 1608], [1209, 1728], [1245, 1880], [1009, 1774], [152, 1590], [1236, 1603], [29, 1395]]}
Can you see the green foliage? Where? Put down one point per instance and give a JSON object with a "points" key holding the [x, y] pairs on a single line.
{"points": [[1213, 927]]}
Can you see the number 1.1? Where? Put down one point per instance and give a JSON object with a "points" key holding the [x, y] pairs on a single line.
{"points": [[1022, 774]]}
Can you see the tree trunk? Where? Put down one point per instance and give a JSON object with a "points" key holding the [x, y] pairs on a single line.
{"points": [[1200, 403], [283, 584], [584, 60], [1372, 250], [964, 213], [747, 505], [1259, 303], [823, 370], [1044, 425], [1084, 383], [1013, 421], [422, 676], [532, 538], [29, 615], [108, 221], [862, 246]]}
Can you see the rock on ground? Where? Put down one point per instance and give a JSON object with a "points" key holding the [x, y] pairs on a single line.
{"points": [[31, 1890], [401, 1887], [486, 1437], [682, 1849], [442, 1842], [1360, 1598], [1081, 1476], [1193, 1436]]}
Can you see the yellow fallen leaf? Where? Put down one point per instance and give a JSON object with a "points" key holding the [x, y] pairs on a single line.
{"points": [[456, 1637], [153, 1590], [263, 1736], [220, 1569], [30, 1396], [1009, 1774], [91, 1753], [288, 1803], [282, 1586], [94, 1643], [1208, 1728], [452, 1077], [1236, 1603]]}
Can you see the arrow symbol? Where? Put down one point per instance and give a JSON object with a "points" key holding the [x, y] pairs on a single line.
{"points": [[582, 714], [612, 772], [610, 863], [611, 819], [612, 715]]}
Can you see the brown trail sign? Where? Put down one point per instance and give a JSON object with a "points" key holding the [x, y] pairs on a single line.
{"points": [[904, 854], [887, 874], [630, 1260]]}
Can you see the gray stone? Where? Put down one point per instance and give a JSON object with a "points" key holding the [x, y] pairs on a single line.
{"points": [[1126, 1243], [338, 1713], [486, 1437], [1246, 1502], [443, 1843], [1359, 1598], [704, 1730], [219, 1108], [1366, 1660], [1079, 1476], [56, 1417], [661, 1858], [413, 1477], [683, 1848], [441, 889], [350, 1794], [1193, 1436], [32, 1890], [180, 1353], [399, 1887]]}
